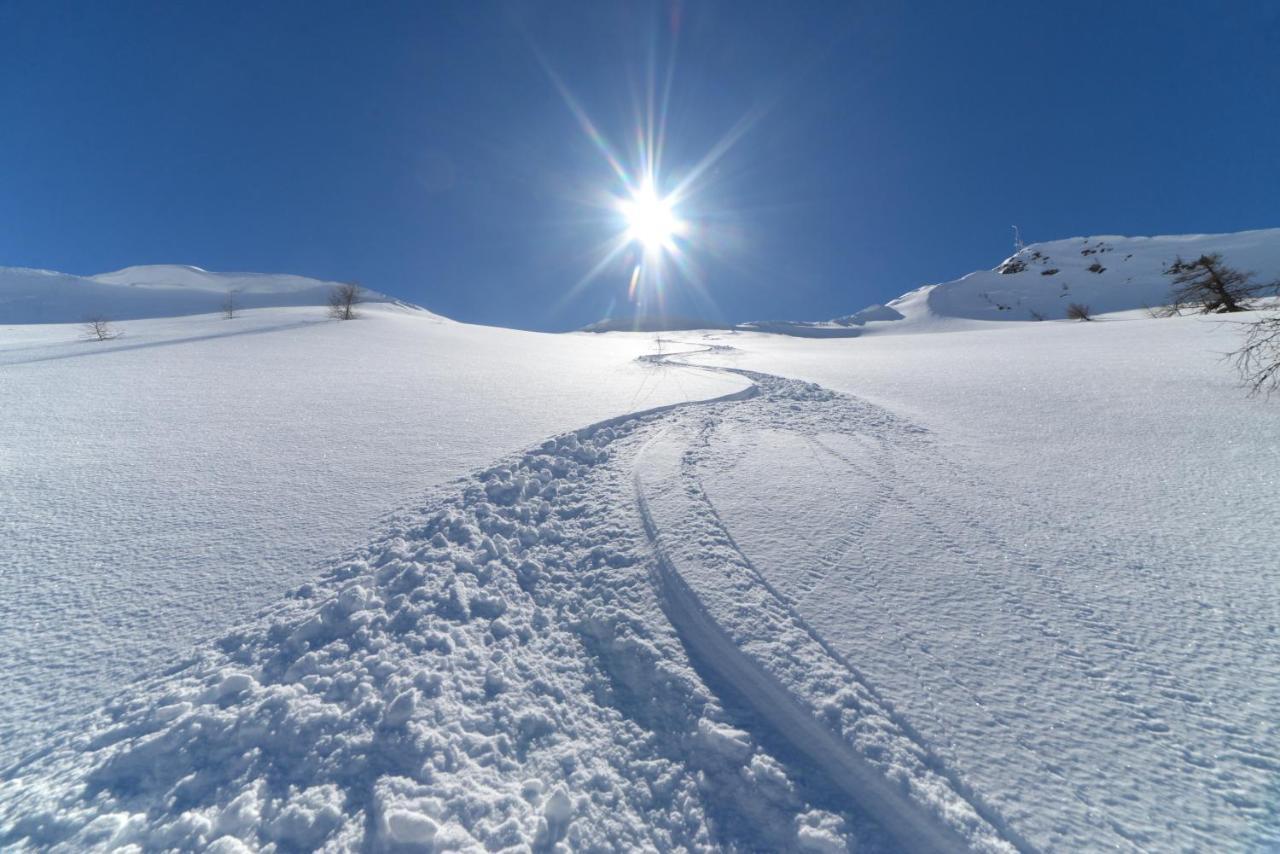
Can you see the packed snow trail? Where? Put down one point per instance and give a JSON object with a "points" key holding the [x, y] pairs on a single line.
{"points": [[579, 648]]}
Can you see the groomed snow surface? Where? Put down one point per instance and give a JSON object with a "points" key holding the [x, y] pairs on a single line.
{"points": [[1005, 586]]}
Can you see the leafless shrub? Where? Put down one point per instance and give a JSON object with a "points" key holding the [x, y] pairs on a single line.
{"points": [[98, 328], [343, 300], [1035, 315], [1258, 359], [229, 306], [1078, 311], [1209, 286]]}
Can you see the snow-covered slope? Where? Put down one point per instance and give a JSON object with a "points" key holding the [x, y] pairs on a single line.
{"points": [[159, 290], [1008, 588], [1107, 274], [1064, 581], [158, 487]]}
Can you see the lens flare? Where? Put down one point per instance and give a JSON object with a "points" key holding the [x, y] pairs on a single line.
{"points": [[651, 220]]}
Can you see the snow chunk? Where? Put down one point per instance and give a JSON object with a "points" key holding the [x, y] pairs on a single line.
{"points": [[822, 832], [558, 809], [733, 744], [229, 686], [406, 827], [400, 709]]}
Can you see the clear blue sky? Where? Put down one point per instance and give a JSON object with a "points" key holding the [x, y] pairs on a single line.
{"points": [[424, 150]]}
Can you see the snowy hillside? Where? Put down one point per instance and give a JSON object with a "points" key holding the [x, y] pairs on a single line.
{"points": [[404, 584], [1107, 274], [1064, 582], [161, 290]]}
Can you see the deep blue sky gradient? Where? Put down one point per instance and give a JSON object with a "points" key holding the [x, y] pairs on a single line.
{"points": [[424, 150]]}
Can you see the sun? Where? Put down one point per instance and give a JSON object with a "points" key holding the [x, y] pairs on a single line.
{"points": [[651, 219]]}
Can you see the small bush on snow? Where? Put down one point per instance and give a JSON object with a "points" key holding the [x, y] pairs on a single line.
{"points": [[1078, 311]]}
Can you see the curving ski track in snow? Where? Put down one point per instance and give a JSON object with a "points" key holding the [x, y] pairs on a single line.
{"points": [[571, 650]]}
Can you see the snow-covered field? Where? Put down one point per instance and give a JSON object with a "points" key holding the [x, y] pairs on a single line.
{"points": [[159, 487], [966, 581]]}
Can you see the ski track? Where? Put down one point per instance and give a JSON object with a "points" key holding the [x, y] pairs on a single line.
{"points": [[571, 650]]}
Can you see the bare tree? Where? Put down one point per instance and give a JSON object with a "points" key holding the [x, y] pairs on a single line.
{"points": [[229, 306], [1258, 359], [343, 300], [1079, 311], [1208, 286], [98, 328]]}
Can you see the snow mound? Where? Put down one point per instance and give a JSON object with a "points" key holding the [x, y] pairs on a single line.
{"points": [[159, 290]]}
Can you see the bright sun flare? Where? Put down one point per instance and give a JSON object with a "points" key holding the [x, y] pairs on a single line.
{"points": [[651, 220]]}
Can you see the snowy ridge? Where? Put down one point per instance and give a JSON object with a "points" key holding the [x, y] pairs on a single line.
{"points": [[159, 290], [1107, 273]]}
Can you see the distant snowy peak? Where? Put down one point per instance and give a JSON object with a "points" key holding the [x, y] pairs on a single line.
{"points": [[157, 290]]}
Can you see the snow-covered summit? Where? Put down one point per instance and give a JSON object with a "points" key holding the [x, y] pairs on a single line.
{"points": [[155, 290], [1107, 273]]}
